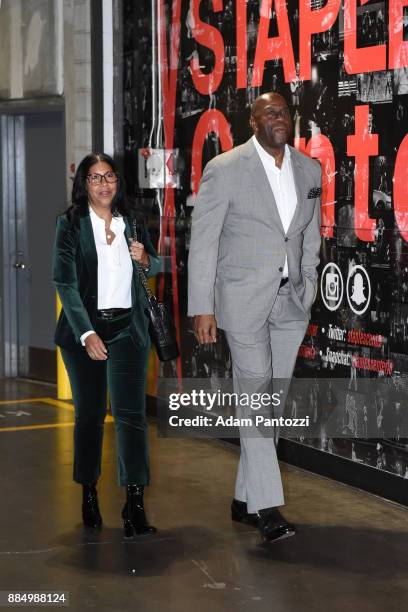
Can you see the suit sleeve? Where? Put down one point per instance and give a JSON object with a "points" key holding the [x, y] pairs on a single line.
{"points": [[65, 278], [311, 246], [155, 259], [208, 216]]}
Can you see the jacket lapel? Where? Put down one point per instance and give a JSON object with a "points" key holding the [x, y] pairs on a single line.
{"points": [[259, 178], [128, 236], [88, 249], [299, 178]]}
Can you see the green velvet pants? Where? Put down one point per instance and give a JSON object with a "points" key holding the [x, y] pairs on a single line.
{"points": [[124, 375]]}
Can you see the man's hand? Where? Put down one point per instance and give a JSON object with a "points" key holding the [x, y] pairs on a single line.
{"points": [[95, 347], [205, 328]]}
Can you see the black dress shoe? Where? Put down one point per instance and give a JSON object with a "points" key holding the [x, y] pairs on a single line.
{"points": [[90, 509], [133, 513], [239, 513], [273, 526]]}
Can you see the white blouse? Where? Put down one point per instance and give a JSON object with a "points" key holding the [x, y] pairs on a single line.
{"points": [[115, 267]]}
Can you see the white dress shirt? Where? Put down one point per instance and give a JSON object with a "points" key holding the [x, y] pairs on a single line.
{"points": [[115, 267], [283, 187]]}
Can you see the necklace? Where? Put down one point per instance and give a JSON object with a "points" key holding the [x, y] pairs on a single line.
{"points": [[110, 235]]}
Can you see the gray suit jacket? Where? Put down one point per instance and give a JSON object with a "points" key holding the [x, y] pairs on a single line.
{"points": [[238, 244]]}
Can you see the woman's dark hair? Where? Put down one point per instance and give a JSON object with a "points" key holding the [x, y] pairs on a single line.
{"points": [[80, 198]]}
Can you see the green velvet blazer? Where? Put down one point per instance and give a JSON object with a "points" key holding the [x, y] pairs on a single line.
{"points": [[75, 276]]}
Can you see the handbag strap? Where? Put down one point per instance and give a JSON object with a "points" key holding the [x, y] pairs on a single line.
{"points": [[141, 274]]}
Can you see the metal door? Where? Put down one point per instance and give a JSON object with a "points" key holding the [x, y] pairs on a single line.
{"points": [[33, 193]]}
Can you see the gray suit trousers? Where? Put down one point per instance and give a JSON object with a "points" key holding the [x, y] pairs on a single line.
{"points": [[258, 358]]}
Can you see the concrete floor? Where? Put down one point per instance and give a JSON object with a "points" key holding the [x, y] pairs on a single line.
{"points": [[349, 554]]}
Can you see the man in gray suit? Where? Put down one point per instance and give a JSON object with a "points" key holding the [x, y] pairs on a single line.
{"points": [[254, 251]]}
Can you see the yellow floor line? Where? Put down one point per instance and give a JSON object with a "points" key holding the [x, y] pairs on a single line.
{"points": [[60, 404], [44, 400], [45, 426], [23, 401], [57, 403]]}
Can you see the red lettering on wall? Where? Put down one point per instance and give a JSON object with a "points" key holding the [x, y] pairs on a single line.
{"points": [[400, 192], [210, 121], [311, 22], [300, 144], [242, 46], [368, 59], [209, 37], [398, 48], [362, 145], [277, 47], [320, 147]]}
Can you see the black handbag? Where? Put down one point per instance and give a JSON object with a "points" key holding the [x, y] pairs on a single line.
{"points": [[161, 327]]}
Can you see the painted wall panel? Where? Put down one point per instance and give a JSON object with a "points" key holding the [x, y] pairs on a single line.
{"points": [[31, 45]]}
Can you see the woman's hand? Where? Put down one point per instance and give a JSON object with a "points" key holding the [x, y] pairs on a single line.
{"points": [[95, 348], [138, 253]]}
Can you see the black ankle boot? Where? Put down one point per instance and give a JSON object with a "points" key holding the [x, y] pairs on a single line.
{"points": [[90, 508], [133, 513]]}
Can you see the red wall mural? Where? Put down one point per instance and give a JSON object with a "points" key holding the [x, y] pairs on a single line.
{"points": [[343, 67]]}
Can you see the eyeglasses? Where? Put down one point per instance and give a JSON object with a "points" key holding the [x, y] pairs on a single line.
{"points": [[96, 179], [275, 114]]}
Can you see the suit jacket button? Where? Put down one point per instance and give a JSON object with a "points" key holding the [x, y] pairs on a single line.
{"points": [[280, 269], [286, 239]]}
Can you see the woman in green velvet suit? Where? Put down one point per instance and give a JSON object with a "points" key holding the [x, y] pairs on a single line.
{"points": [[103, 332]]}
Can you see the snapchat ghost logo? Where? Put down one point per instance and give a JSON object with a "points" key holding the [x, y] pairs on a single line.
{"points": [[358, 289], [357, 294]]}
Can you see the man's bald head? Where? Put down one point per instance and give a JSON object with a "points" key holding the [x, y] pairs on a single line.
{"points": [[264, 98], [271, 121]]}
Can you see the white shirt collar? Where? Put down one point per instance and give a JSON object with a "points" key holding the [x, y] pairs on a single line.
{"points": [[95, 217], [116, 220], [117, 224], [264, 155]]}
